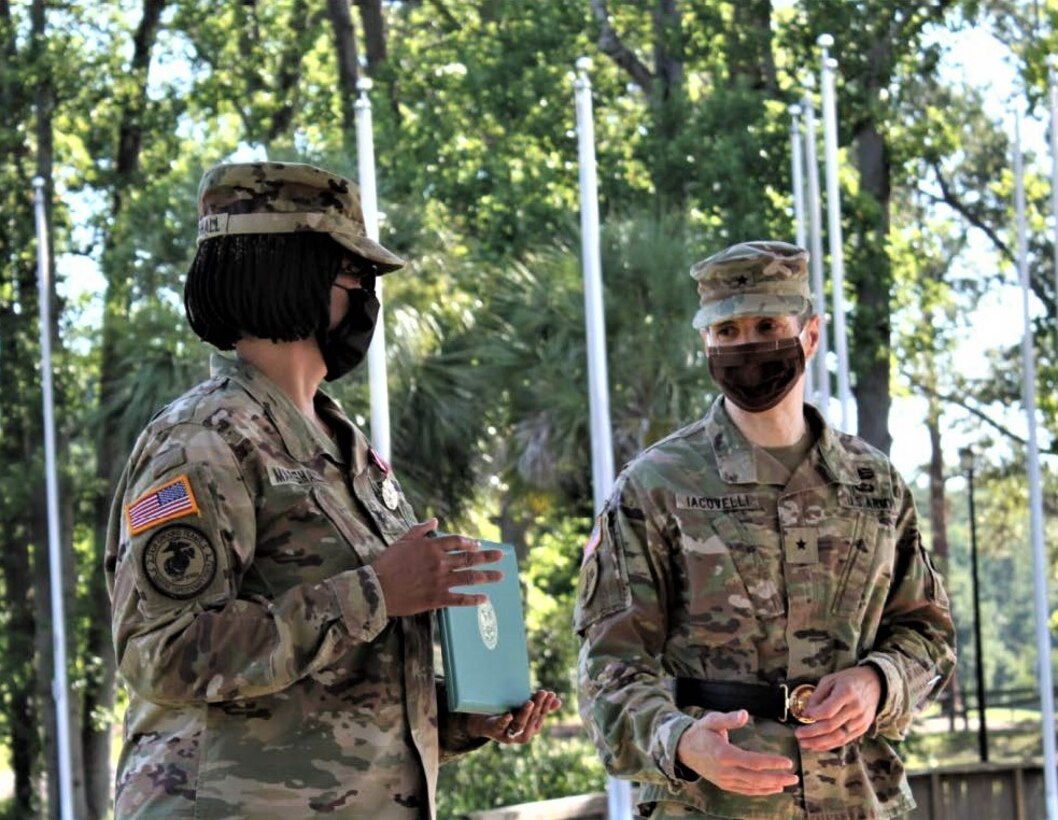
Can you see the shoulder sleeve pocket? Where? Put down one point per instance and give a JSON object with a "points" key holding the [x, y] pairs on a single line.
{"points": [[180, 538], [934, 584], [603, 585]]}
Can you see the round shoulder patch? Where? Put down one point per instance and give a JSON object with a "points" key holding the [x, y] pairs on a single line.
{"points": [[589, 578], [180, 561]]}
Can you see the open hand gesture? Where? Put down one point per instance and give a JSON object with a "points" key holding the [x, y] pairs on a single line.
{"points": [[705, 749]]}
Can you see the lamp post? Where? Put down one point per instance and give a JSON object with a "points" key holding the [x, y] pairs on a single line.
{"points": [[966, 461]]}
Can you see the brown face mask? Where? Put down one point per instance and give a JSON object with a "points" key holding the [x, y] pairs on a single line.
{"points": [[757, 376]]}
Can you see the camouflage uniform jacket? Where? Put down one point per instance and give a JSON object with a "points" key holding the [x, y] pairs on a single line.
{"points": [[265, 678], [712, 561]]}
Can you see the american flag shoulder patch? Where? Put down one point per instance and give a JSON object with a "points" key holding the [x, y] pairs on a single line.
{"points": [[593, 541], [174, 499]]}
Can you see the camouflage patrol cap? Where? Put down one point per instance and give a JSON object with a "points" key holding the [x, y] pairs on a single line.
{"points": [[286, 197], [752, 279]]}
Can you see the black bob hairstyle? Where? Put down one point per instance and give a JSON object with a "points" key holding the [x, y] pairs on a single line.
{"points": [[271, 286]]}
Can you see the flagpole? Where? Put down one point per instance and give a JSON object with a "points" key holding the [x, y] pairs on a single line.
{"points": [[815, 233], [376, 353], [598, 380], [1039, 559], [797, 175], [837, 253], [60, 687], [1052, 79], [619, 792]]}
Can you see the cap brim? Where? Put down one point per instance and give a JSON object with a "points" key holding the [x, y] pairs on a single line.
{"points": [[370, 250], [749, 304], [275, 222]]}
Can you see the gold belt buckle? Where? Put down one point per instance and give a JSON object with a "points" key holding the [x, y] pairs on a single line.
{"points": [[795, 702]]}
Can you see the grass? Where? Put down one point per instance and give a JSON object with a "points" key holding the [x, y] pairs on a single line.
{"points": [[1010, 745], [1013, 736]]}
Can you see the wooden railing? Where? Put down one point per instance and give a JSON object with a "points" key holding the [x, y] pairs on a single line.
{"points": [[982, 791]]}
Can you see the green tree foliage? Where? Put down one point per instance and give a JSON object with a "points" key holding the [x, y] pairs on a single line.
{"points": [[507, 775], [481, 117], [879, 46], [31, 102]]}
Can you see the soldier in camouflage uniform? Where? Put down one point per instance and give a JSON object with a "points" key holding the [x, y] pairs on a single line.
{"points": [[758, 614], [272, 588]]}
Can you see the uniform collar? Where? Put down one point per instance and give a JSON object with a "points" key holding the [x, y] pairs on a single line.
{"points": [[740, 462], [301, 438], [332, 411], [832, 451]]}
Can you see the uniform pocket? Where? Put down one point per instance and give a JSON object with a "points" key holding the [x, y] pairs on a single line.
{"points": [[729, 558], [365, 545], [849, 558], [935, 587], [725, 595], [603, 585]]}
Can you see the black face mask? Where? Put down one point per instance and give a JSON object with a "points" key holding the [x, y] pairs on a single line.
{"points": [[345, 346], [757, 376]]}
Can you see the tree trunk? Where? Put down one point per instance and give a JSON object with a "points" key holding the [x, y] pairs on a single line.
{"points": [[668, 46], [100, 680], [44, 635], [130, 131], [24, 738], [514, 526], [17, 427], [110, 455], [611, 44], [348, 68], [749, 49], [669, 107], [20, 414], [374, 32], [872, 278], [289, 72], [938, 516]]}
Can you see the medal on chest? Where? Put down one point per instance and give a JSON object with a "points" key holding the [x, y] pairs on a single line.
{"points": [[390, 495]]}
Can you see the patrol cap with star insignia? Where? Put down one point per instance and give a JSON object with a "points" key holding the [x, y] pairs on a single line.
{"points": [[286, 197], [764, 278]]}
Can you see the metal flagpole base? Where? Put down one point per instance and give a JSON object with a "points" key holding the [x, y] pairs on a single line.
{"points": [[618, 799]]}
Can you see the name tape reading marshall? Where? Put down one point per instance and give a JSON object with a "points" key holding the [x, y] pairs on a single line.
{"points": [[738, 501], [286, 475]]}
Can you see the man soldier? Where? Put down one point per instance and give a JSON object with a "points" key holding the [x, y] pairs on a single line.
{"points": [[758, 613], [272, 589]]}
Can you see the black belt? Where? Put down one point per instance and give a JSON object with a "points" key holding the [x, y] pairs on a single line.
{"points": [[784, 702]]}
